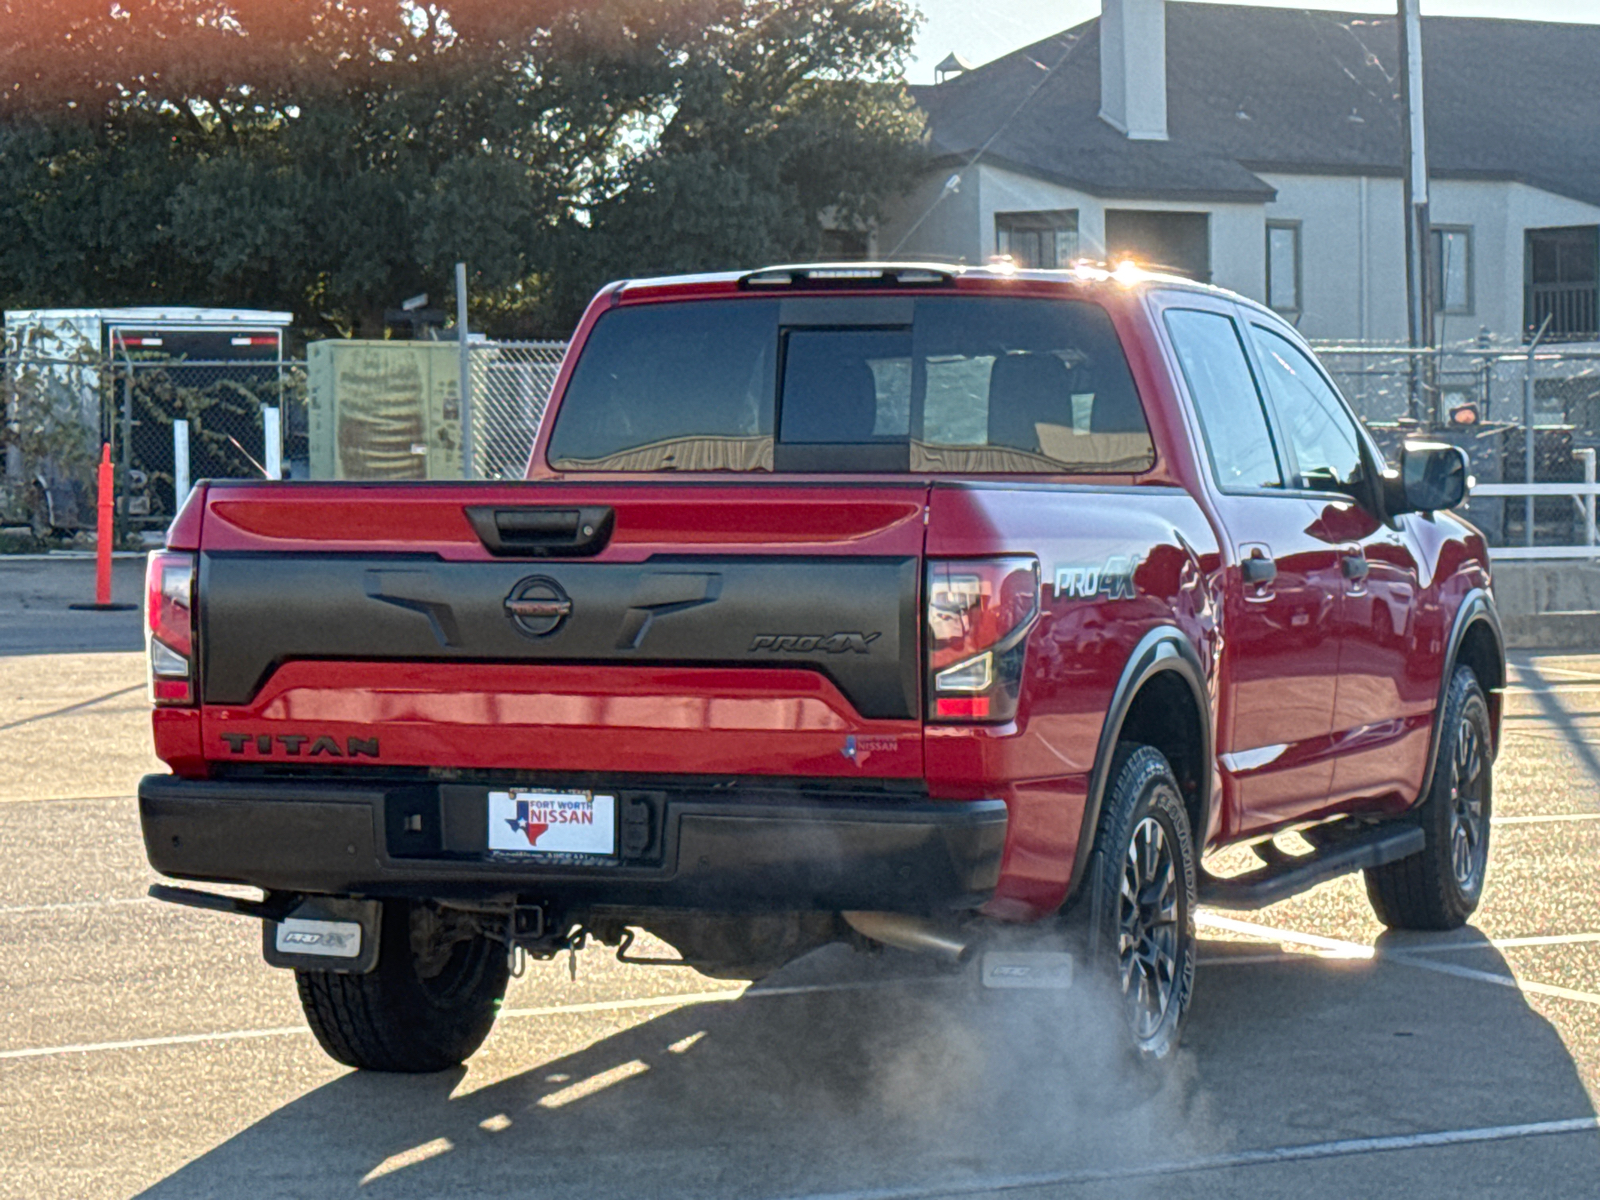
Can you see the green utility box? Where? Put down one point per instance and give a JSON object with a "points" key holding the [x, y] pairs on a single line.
{"points": [[383, 410]]}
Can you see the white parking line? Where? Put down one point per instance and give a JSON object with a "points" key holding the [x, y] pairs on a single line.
{"points": [[1550, 819], [1286, 937], [1222, 1162], [671, 1000], [71, 708], [1559, 939], [1336, 948], [1564, 939], [185, 1039], [1510, 981], [22, 909], [1539, 668], [5, 800]]}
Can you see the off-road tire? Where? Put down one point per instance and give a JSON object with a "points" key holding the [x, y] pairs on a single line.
{"points": [[1426, 890], [1142, 790], [393, 1019]]}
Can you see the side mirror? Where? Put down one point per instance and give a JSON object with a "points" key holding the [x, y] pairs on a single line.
{"points": [[1431, 478]]}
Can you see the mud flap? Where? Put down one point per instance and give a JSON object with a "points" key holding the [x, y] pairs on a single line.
{"points": [[324, 933], [1025, 969]]}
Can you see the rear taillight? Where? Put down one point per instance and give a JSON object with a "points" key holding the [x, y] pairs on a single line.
{"points": [[979, 615], [169, 626]]}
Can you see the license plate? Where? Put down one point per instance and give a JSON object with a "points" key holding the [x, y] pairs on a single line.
{"points": [[533, 822]]}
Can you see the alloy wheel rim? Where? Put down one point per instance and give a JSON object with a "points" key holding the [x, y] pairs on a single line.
{"points": [[1147, 927], [1467, 806]]}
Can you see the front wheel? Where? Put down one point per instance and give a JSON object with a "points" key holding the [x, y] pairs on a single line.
{"points": [[1439, 887], [1141, 898], [426, 1006]]}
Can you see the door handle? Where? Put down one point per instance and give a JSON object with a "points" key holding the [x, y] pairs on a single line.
{"points": [[1354, 566], [1258, 569]]}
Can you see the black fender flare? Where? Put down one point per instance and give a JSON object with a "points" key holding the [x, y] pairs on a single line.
{"points": [[1162, 649], [1477, 608]]}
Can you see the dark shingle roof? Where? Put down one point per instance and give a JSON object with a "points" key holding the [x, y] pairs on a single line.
{"points": [[1252, 89]]}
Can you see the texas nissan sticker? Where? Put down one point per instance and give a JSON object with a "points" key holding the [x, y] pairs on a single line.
{"points": [[552, 822]]}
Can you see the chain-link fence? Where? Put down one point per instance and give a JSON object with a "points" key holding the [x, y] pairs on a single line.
{"points": [[176, 422], [1480, 396], [511, 383], [54, 417], [170, 423]]}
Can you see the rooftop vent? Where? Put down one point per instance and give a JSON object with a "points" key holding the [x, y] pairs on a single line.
{"points": [[953, 64]]}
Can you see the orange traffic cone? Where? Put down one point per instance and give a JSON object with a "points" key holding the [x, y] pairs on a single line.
{"points": [[103, 539]]}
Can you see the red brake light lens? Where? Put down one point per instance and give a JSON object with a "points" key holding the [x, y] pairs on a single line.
{"points": [[979, 615], [169, 626]]}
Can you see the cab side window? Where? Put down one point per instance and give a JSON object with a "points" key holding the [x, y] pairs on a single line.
{"points": [[1327, 448], [1238, 438]]}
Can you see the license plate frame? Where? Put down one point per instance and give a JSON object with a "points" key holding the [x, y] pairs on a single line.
{"points": [[571, 824]]}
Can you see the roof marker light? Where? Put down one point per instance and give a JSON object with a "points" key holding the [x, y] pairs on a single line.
{"points": [[1127, 272]]}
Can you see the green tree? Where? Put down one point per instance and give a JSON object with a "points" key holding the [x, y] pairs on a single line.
{"points": [[333, 158]]}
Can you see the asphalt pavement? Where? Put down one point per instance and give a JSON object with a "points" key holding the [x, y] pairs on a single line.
{"points": [[147, 1051]]}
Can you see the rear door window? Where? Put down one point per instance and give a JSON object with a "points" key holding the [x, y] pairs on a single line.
{"points": [[968, 384]]}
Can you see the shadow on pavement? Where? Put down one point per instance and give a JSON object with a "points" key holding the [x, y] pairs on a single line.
{"points": [[1553, 711], [930, 1085]]}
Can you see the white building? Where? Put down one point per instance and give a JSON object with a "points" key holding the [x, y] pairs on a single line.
{"points": [[1260, 149]]}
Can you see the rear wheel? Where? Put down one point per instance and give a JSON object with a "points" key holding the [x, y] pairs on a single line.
{"points": [[1141, 898], [426, 1006], [1439, 887]]}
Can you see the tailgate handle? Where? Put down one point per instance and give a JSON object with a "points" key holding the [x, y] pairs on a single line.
{"points": [[537, 531]]}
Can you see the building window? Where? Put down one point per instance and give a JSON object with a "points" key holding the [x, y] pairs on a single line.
{"points": [[1038, 239], [1563, 282], [1452, 270], [1179, 242], [1283, 266]]}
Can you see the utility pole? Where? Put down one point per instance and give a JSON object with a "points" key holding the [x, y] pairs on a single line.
{"points": [[466, 371], [1419, 235]]}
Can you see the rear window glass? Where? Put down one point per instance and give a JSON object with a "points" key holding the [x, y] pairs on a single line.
{"points": [[958, 384]]}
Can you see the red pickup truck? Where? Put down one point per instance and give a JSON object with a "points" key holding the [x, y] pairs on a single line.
{"points": [[891, 604]]}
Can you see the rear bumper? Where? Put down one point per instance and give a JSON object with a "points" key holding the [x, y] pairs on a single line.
{"points": [[679, 848]]}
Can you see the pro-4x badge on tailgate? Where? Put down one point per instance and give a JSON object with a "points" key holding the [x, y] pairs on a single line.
{"points": [[804, 643]]}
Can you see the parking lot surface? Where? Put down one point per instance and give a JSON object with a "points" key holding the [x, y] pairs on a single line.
{"points": [[147, 1051]]}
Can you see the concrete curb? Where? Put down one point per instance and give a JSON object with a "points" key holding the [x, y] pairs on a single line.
{"points": [[68, 556], [1552, 631]]}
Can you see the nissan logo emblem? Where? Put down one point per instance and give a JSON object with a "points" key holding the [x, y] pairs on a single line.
{"points": [[537, 606]]}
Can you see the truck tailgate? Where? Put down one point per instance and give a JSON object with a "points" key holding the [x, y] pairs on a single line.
{"points": [[721, 629]]}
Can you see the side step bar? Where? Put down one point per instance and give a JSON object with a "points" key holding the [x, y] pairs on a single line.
{"points": [[1338, 853]]}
